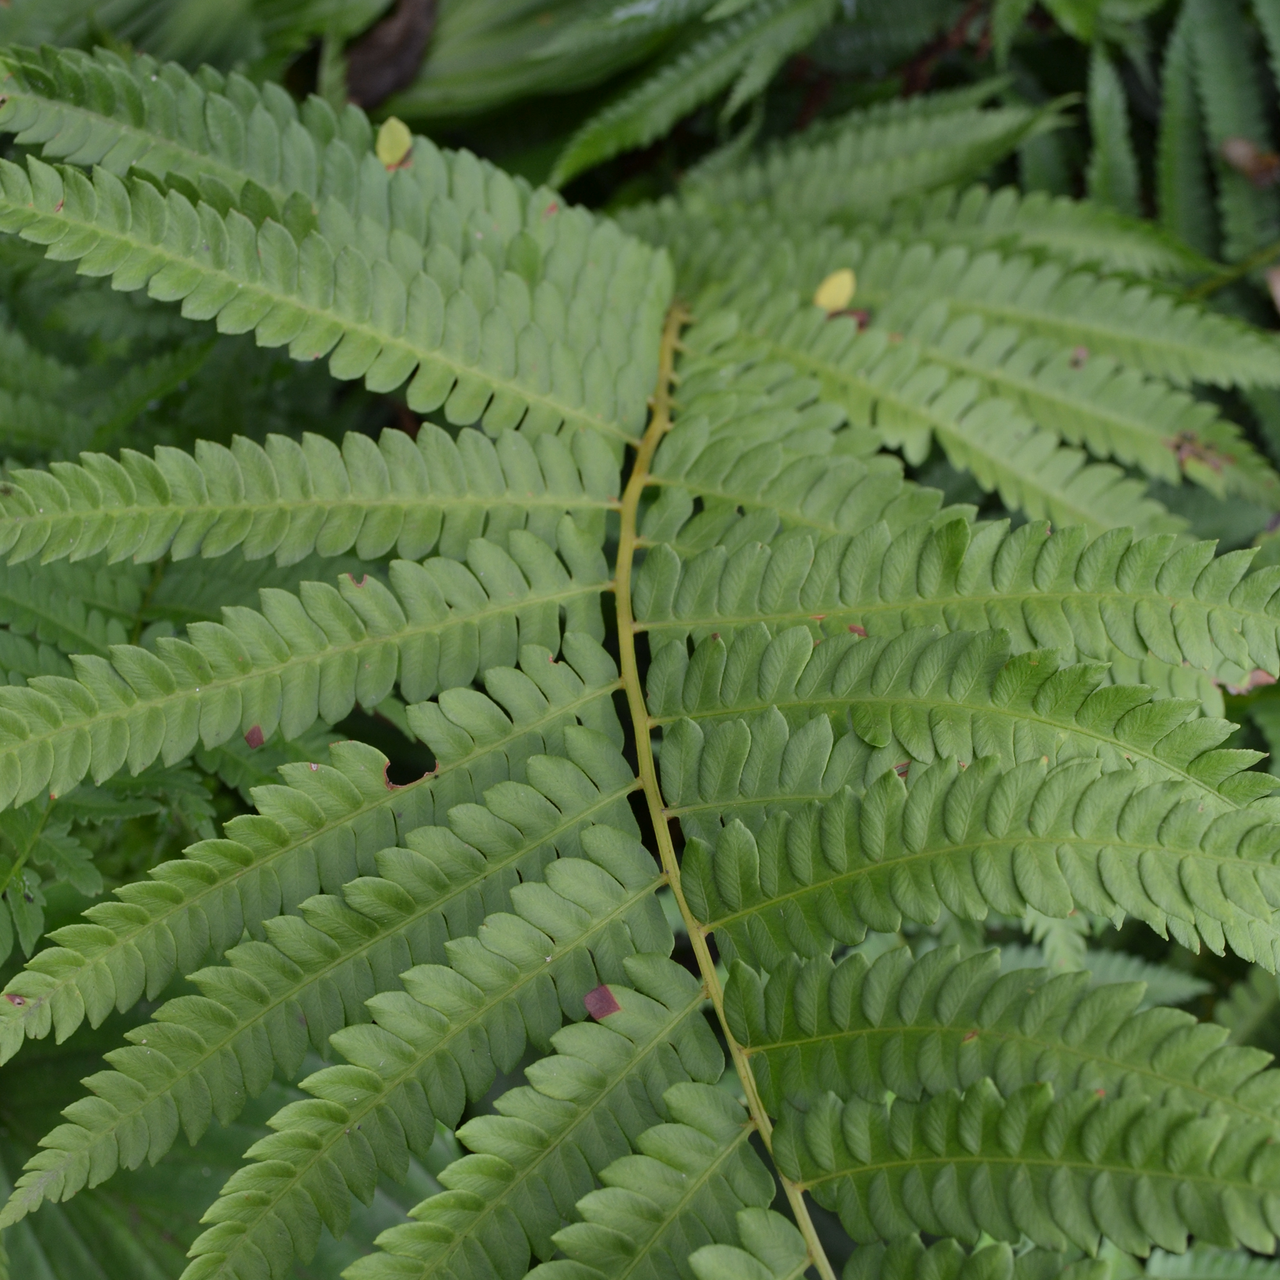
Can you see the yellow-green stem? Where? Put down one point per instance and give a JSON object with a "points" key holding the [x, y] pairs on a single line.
{"points": [[659, 425]]}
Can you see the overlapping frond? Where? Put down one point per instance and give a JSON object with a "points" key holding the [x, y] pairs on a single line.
{"points": [[1077, 233], [682, 1190], [541, 1153], [319, 830], [923, 696], [206, 1055], [859, 164], [896, 387], [743, 51], [1068, 1167], [1170, 615], [771, 1249], [316, 654], [918, 1027], [77, 608], [432, 1047], [756, 450], [791, 848], [473, 336], [909, 1259], [293, 498], [1107, 315]]}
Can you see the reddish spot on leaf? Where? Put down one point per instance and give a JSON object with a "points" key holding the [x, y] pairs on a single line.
{"points": [[857, 630], [255, 737], [362, 581], [1254, 680], [14, 1000], [600, 1003], [860, 315], [57, 208], [969, 1035], [1102, 1093], [902, 769], [1079, 357], [552, 208]]}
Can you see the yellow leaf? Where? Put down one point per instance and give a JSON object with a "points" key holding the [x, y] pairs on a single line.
{"points": [[836, 291], [394, 142]]}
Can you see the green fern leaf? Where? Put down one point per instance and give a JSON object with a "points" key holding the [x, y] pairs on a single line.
{"points": [[1113, 165], [77, 608], [772, 1249], [325, 651], [1182, 174], [1231, 99], [205, 1056], [680, 1191], [878, 378], [291, 499], [1105, 600], [467, 334], [1077, 233], [815, 850], [318, 831], [1204, 1262], [917, 1028], [922, 697], [434, 1045], [540, 1154], [909, 1259], [1063, 1168], [747, 47], [861, 164]]}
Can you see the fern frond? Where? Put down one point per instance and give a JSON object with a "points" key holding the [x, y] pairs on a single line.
{"points": [[473, 339], [1161, 613], [609, 22], [318, 831], [1231, 98], [1112, 174], [542, 1152], [923, 697], [291, 499], [312, 655], [916, 1028], [1095, 401], [1077, 233], [747, 48], [909, 1259], [1249, 1010], [878, 378], [433, 1046], [824, 855], [859, 165], [756, 449], [77, 608], [1062, 1167], [772, 1249], [1204, 1262], [754, 258], [207, 1055], [681, 1190], [1183, 192]]}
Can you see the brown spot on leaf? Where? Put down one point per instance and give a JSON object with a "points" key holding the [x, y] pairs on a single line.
{"points": [[858, 630], [968, 1035], [19, 1001], [902, 769], [600, 1003], [255, 737], [1079, 357], [1260, 166]]}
